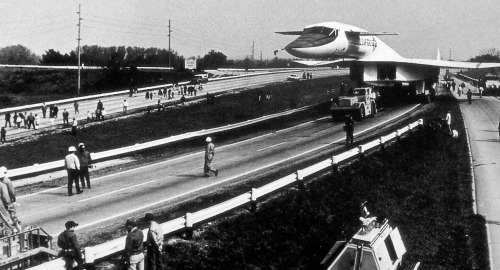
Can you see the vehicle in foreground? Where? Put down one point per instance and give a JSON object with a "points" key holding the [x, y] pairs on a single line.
{"points": [[359, 103]]}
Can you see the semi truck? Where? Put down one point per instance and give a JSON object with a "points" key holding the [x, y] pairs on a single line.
{"points": [[359, 103]]}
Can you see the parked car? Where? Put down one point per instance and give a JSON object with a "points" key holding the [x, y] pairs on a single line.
{"points": [[293, 77]]}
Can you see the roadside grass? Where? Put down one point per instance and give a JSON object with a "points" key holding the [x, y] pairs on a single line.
{"points": [[422, 184], [143, 127]]}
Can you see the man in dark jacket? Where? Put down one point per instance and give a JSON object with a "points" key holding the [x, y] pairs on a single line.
{"points": [[349, 129], [7, 119], [70, 248], [85, 163], [134, 255]]}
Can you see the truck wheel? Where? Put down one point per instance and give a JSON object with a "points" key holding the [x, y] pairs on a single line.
{"points": [[361, 114], [374, 110]]}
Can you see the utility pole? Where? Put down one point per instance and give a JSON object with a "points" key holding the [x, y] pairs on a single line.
{"points": [[253, 50], [78, 49], [169, 31], [261, 56]]}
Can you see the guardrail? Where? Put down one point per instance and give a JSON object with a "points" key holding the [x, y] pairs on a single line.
{"points": [[189, 220], [59, 164], [120, 92]]}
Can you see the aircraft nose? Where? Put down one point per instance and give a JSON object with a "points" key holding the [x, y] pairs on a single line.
{"points": [[304, 41]]}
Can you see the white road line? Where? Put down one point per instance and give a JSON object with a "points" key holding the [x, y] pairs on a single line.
{"points": [[270, 146], [118, 190], [233, 177]]}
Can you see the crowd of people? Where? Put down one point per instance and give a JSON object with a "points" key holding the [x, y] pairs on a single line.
{"points": [[30, 120]]}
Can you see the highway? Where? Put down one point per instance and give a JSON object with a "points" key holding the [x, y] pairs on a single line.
{"points": [[114, 104], [482, 121], [130, 193]]}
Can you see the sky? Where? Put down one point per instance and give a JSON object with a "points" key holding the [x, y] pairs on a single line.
{"points": [[464, 28]]}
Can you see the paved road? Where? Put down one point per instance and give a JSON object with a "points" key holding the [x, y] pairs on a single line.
{"points": [[114, 104], [482, 119], [120, 195]]}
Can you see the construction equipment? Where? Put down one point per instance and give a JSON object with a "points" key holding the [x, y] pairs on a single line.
{"points": [[376, 246], [29, 247]]}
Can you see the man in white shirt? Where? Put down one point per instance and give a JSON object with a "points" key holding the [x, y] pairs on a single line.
{"points": [[125, 105], [72, 165], [448, 121], [154, 242]]}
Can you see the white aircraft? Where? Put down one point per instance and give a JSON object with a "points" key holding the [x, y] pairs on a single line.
{"points": [[372, 61]]}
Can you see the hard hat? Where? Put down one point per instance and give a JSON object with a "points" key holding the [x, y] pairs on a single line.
{"points": [[71, 149], [81, 145], [208, 139], [3, 171]]}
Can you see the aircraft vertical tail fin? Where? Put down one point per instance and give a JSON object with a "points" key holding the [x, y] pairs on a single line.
{"points": [[439, 55]]}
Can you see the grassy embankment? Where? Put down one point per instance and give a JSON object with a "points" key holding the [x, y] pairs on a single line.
{"points": [[227, 109], [22, 87], [422, 184]]}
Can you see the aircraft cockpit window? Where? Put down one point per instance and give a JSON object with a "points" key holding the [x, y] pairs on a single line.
{"points": [[322, 30], [333, 33]]}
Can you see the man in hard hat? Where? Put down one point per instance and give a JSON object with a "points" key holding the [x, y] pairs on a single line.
{"points": [[85, 164], [209, 155], [72, 165], [12, 196]]}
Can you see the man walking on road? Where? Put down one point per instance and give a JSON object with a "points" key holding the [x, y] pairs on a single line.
{"points": [[70, 248], [125, 105], [349, 129], [72, 165], [7, 119], [44, 110], [154, 244], [134, 256], [85, 163], [469, 96], [209, 155], [76, 105], [65, 115]]}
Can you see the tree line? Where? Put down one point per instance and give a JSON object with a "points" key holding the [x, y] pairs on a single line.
{"points": [[121, 56]]}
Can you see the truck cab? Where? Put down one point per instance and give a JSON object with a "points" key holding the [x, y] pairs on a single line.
{"points": [[359, 102]]}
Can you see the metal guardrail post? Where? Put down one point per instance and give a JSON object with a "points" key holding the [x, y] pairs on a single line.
{"points": [[361, 152], [335, 164], [300, 179], [253, 200], [382, 143], [420, 122], [189, 226], [398, 135], [88, 255]]}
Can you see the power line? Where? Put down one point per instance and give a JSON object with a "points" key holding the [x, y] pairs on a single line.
{"points": [[127, 21], [122, 25]]}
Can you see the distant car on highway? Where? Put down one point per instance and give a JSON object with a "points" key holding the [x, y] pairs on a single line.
{"points": [[293, 77]]}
